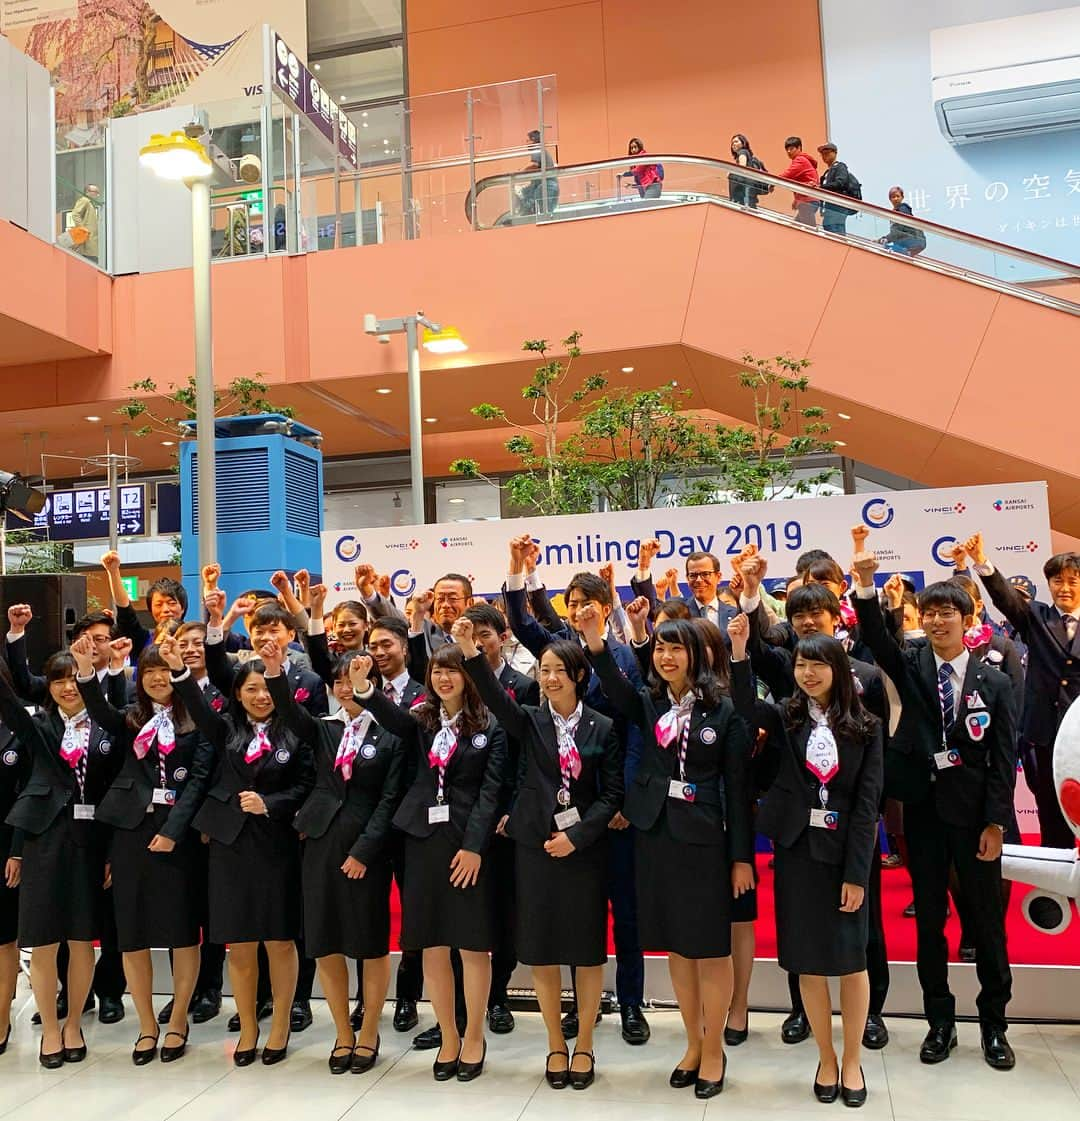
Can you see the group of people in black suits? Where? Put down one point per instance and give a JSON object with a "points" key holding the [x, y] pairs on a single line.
{"points": [[221, 803]]}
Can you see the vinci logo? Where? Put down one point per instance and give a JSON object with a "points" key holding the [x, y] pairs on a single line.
{"points": [[941, 550], [347, 548], [402, 546], [1022, 547], [959, 508], [877, 513], [941, 509]]}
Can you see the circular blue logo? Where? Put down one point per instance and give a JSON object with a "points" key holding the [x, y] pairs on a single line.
{"points": [[941, 550], [877, 513], [347, 548], [403, 582]]}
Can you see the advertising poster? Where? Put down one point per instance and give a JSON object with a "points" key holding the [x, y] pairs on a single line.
{"points": [[972, 106], [110, 58]]}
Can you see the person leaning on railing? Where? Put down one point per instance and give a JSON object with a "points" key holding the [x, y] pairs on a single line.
{"points": [[902, 239]]}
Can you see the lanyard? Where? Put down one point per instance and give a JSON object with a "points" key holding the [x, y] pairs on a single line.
{"points": [[684, 740], [80, 775]]}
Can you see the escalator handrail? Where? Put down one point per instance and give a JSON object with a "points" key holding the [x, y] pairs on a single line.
{"points": [[725, 167]]}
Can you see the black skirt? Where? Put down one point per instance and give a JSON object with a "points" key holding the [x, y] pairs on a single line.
{"points": [[433, 911], [343, 916], [683, 895], [744, 908], [158, 896], [62, 897], [9, 896], [255, 884], [562, 906], [813, 935]]}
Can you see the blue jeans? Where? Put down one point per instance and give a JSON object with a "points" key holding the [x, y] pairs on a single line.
{"points": [[834, 221], [904, 245]]}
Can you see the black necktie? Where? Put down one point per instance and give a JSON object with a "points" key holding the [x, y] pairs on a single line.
{"points": [[945, 691]]}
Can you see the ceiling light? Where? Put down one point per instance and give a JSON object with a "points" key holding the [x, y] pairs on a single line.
{"points": [[843, 416], [430, 419], [384, 390], [363, 124], [446, 341], [455, 501], [168, 443], [840, 443], [92, 418], [317, 66], [628, 369]]}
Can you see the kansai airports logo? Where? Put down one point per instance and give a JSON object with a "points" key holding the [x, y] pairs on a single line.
{"points": [[459, 542], [877, 513], [1012, 505], [347, 548], [941, 550]]}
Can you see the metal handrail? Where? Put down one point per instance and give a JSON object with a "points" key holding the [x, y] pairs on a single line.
{"points": [[724, 167]]}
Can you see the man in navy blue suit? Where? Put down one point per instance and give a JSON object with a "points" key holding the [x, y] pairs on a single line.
{"points": [[703, 576]]}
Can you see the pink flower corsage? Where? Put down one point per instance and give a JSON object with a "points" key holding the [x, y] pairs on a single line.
{"points": [[301, 695], [978, 636]]}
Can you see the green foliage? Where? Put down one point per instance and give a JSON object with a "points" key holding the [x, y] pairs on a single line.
{"points": [[38, 556]]}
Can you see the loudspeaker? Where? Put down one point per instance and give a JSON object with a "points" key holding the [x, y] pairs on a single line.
{"points": [[58, 602]]}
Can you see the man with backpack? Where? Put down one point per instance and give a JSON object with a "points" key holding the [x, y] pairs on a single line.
{"points": [[838, 179]]}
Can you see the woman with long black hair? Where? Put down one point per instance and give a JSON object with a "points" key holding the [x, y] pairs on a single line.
{"points": [[346, 862], [262, 775], [448, 816], [64, 852], [740, 189], [694, 844], [821, 812], [570, 786], [153, 854]]}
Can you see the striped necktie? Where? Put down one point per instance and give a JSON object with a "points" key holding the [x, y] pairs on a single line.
{"points": [[948, 700]]}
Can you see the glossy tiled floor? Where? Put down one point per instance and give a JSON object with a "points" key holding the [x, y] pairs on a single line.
{"points": [[765, 1080]]}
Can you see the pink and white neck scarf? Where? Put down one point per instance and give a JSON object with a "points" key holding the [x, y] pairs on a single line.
{"points": [[351, 740], [569, 757], [76, 741], [260, 742], [159, 727]]}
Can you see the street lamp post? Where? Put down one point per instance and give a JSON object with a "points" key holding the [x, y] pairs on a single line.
{"points": [[182, 157], [438, 340]]}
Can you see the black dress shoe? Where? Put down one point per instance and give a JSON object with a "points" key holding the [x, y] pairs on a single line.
{"points": [[826, 1091], [795, 1028], [300, 1017], [110, 1010], [681, 1078], [53, 1061], [246, 1057], [734, 1036], [264, 1009], [364, 1058], [557, 1079], [909, 910], [76, 1054], [968, 955], [356, 1017], [706, 1088], [875, 1035], [428, 1040], [996, 1049], [147, 1055], [938, 1043], [854, 1098], [500, 1019], [273, 1055], [206, 1006], [170, 1052], [583, 1079], [165, 1015], [635, 1028], [405, 1017], [444, 1071], [341, 1059], [570, 1024], [466, 1072]]}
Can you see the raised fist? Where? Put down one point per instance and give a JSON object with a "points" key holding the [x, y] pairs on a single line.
{"points": [[110, 561], [975, 548], [364, 578], [864, 565], [211, 574], [359, 672], [19, 616]]}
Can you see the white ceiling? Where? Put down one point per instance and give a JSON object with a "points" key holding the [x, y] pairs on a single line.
{"points": [[334, 22]]}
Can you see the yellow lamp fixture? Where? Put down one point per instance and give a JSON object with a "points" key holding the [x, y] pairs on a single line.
{"points": [[176, 156], [448, 340]]}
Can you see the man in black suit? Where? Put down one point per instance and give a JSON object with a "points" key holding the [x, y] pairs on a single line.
{"points": [[166, 600], [952, 761], [703, 576], [1051, 633], [109, 981]]}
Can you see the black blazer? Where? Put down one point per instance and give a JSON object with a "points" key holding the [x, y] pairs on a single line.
{"points": [[118, 687], [597, 793], [283, 777], [14, 771], [187, 772], [717, 761], [980, 791], [371, 795], [1053, 669], [307, 686], [473, 777], [854, 791], [51, 784], [647, 589]]}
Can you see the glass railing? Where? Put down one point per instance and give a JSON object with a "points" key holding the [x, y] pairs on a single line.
{"points": [[609, 187], [82, 211]]}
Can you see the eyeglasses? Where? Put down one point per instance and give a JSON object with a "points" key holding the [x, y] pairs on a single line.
{"points": [[694, 577], [449, 599], [945, 614]]}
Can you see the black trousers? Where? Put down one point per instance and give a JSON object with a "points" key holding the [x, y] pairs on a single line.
{"points": [[934, 846], [877, 958], [1038, 763], [504, 954]]}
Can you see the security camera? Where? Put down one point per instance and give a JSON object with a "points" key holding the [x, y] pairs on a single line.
{"points": [[384, 339]]}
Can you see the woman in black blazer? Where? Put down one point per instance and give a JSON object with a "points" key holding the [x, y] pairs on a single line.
{"points": [[62, 897], [346, 862], [14, 768], [448, 815], [821, 812], [694, 843], [569, 787], [153, 854], [261, 777]]}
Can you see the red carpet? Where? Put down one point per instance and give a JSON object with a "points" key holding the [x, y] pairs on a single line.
{"points": [[1026, 945]]}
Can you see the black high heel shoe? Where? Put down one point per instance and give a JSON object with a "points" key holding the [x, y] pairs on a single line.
{"points": [[444, 1071], [854, 1098], [707, 1088], [53, 1061], [339, 1064], [141, 1058], [826, 1092], [272, 1055], [246, 1057], [466, 1072], [557, 1079], [75, 1054], [734, 1036], [3, 1046], [361, 1064], [169, 1054], [681, 1077], [583, 1079]]}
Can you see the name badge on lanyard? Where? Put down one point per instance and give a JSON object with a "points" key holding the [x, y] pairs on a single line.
{"points": [[824, 819], [683, 791], [438, 815], [83, 812], [946, 758], [567, 818], [164, 797]]}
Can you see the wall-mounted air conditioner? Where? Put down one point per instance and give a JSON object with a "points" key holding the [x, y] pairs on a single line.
{"points": [[1007, 77]]}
